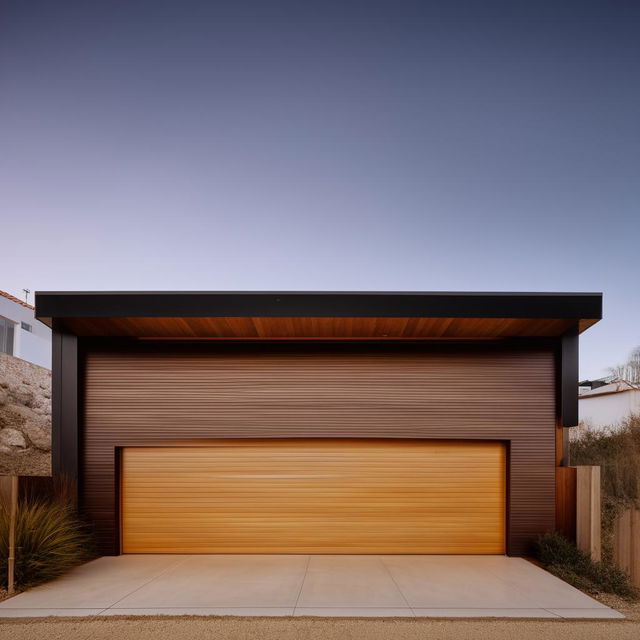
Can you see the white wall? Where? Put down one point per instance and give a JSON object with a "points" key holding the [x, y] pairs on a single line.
{"points": [[35, 349], [33, 346], [605, 410]]}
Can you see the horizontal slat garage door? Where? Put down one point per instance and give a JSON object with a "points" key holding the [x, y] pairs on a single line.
{"points": [[315, 496]]}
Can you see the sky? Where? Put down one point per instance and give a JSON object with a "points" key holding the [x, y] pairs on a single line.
{"points": [[388, 146]]}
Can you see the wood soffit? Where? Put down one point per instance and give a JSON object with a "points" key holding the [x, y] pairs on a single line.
{"points": [[318, 315], [320, 328]]}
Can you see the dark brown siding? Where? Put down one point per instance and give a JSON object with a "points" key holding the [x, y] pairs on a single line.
{"points": [[199, 392]]}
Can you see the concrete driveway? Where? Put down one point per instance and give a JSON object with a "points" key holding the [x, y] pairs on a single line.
{"points": [[300, 585]]}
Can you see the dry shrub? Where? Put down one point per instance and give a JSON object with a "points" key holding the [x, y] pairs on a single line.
{"points": [[617, 452]]}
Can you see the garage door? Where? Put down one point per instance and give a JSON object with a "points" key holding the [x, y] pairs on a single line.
{"points": [[315, 496]]}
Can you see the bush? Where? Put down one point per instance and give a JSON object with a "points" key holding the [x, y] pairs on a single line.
{"points": [[50, 540], [563, 559], [617, 452]]}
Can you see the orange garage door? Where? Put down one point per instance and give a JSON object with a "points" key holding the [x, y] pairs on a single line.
{"points": [[315, 496]]}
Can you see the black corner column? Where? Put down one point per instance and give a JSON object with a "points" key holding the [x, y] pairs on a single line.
{"points": [[64, 407], [568, 392], [569, 379]]}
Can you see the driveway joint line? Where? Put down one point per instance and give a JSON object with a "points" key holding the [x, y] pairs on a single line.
{"points": [[157, 575], [510, 584], [354, 607], [483, 608], [397, 586], [214, 606], [304, 577]]}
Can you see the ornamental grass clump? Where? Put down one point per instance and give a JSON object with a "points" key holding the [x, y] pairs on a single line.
{"points": [[50, 540]]}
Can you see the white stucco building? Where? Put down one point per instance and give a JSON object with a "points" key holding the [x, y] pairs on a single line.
{"points": [[21, 335], [608, 404]]}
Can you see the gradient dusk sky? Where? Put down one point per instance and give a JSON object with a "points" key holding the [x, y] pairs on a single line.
{"points": [[472, 146]]}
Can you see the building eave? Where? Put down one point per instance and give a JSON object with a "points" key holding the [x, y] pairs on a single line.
{"points": [[471, 314]]}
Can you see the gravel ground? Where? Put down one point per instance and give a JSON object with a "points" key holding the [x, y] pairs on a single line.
{"points": [[630, 610], [194, 628]]}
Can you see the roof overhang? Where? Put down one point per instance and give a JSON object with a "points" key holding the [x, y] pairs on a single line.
{"points": [[318, 315]]}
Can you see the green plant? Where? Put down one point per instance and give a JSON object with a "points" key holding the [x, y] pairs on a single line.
{"points": [[563, 559], [50, 540]]}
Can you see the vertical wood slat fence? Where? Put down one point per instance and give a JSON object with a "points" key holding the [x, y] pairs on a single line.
{"points": [[566, 502], [5, 490], [43, 487], [578, 518], [626, 544], [578, 510], [588, 511], [9, 501]]}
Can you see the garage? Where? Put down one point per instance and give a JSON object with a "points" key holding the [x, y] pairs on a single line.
{"points": [[315, 422], [315, 496]]}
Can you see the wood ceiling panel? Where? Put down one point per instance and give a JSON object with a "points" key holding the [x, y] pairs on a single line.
{"points": [[320, 328]]}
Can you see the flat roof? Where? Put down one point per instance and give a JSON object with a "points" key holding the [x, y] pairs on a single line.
{"points": [[317, 314]]}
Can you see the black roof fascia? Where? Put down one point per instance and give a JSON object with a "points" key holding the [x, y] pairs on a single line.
{"points": [[157, 304]]}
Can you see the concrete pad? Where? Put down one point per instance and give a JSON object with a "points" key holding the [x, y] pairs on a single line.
{"points": [[328, 586], [542, 589], [354, 612], [223, 581], [349, 581], [453, 582], [45, 613], [603, 612], [97, 584], [484, 613], [201, 611]]}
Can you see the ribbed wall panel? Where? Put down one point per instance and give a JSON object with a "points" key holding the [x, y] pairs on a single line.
{"points": [[199, 393]]}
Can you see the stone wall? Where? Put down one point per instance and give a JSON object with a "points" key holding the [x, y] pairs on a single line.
{"points": [[25, 418]]}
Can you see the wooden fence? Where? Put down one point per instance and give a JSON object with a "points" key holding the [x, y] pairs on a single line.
{"points": [[588, 511], [566, 502], [626, 544], [578, 516], [29, 487]]}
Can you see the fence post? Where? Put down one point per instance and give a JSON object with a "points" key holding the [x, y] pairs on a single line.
{"points": [[626, 544], [634, 535], [566, 502], [588, 516], [13, 507]]}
